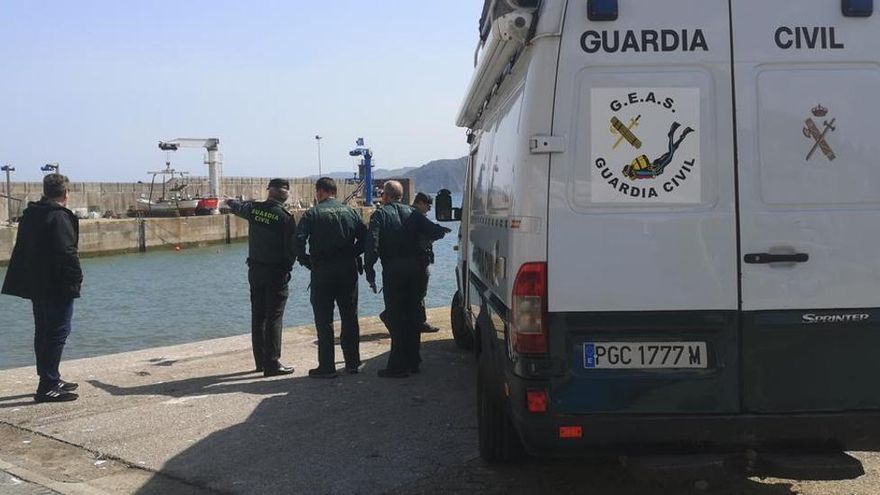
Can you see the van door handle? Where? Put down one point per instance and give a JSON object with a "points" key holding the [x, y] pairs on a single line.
{"points": [[760, 258]]}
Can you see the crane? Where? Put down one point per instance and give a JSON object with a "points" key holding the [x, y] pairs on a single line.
{"points": [[213, 159], [365, 171]]}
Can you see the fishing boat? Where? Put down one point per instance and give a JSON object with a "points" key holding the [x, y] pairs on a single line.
{"points": [[174, 200]]}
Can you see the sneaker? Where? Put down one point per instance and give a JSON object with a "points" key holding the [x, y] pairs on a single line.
{"points": [[321, 373], [353, 369], [386, 373], [56, 394], [278, 371], [426, 328], [68, 386]]}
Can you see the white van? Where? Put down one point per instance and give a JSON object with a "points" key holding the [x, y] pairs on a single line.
{"points": [[669, 226]]}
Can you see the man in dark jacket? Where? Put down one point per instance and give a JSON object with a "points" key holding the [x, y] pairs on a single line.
{"points": [[395, 237], [422, 203], [335, 234], [270, 259], [45, 269]]}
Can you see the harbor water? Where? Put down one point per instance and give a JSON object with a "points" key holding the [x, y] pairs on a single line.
{"points": [[163, 298]]}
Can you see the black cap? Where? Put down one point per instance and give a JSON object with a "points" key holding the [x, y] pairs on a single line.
{"points": [[423, 198], [280, 184]]}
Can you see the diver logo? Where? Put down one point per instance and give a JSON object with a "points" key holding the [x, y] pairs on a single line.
{"points": [[645, 145], [643, 168]]}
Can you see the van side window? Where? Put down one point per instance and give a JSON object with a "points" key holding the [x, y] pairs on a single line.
{"points": [[504, 151], [483, 172]]}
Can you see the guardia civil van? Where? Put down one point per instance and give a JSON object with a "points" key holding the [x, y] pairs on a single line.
{"points": [[670, 229]]}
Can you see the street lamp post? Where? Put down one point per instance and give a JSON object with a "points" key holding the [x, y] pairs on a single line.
{"points": [[8, 169], [318, 139]]}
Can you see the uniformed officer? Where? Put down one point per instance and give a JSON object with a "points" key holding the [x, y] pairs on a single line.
{"points": [[335, 234], [394, 237], [270, 260], [422, 203]]}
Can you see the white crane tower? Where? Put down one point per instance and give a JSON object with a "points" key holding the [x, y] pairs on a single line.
{"points": [[213, 159]]}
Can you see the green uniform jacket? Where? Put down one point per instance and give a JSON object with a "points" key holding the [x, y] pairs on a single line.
{"points": [[271, 231], [398, 231], [333, 231]]}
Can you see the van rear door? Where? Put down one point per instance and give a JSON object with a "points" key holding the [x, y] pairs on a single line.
{"points": [[807, 108], [642, 243]]}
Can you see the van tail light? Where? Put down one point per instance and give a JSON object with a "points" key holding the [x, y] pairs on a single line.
{"points": [[529, 319], [536, 400]]}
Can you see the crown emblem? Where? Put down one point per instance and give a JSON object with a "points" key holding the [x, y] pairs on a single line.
{"points": [[819, 110]]}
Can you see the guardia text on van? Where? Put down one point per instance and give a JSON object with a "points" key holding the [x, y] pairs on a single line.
{"points": [[646, 40]]}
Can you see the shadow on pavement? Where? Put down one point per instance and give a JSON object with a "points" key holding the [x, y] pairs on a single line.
{"points": [[355, 434], [363, 434], [226, 383], [20, 400]]}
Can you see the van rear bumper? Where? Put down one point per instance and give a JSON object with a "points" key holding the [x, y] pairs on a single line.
{"points": [[678, 433]]}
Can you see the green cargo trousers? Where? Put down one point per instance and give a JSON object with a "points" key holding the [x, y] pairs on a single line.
{"points": [[404, 283], [335, 282]]}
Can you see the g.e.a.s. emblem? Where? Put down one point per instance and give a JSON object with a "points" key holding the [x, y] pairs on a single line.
{"points": [[645, 145]]}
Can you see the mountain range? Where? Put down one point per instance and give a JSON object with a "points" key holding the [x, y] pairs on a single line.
{"points": [[430, 177]]}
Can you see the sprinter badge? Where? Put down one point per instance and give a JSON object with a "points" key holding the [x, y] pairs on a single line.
{"points": [[818, 137], [660, 165]]}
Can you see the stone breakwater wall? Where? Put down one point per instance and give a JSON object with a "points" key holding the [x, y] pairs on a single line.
{"points": [[117, 197], [132, 235]]}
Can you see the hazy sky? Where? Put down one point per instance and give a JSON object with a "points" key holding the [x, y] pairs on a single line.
{"points": [[94, 85]]}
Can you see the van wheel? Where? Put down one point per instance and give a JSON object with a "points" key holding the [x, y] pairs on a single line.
{"points": [[499, 442], [464, 338]]}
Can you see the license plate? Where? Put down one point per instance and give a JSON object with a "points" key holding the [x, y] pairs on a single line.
{"points": [[645, 355]]}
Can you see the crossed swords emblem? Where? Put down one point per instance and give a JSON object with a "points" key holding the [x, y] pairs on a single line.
{"points": [[811, 130], [618, 128]]}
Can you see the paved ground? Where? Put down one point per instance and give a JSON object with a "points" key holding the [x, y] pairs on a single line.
{"points": [[193, 419]]}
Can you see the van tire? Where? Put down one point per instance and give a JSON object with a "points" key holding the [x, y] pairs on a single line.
{"points": [[463, 336], [499, 442]]}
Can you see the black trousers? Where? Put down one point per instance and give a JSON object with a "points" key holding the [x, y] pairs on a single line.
{"points": [[52, 324], [268, 298], [423, 317], [404, 284], [336, 283]]}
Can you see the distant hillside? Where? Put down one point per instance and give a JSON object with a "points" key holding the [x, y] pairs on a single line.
{"points": [[430, 177], [440, 174]]}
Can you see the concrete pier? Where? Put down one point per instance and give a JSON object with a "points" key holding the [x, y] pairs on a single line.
{"points": [[131, 235], [194, 419]]}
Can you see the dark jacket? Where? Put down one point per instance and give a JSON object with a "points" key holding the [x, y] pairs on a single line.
{"points": [[334, 231], [397, 231], [45, 260], [270, 232]]}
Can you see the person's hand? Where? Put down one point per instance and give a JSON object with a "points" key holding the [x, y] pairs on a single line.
{"points": [[446, 230]]}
